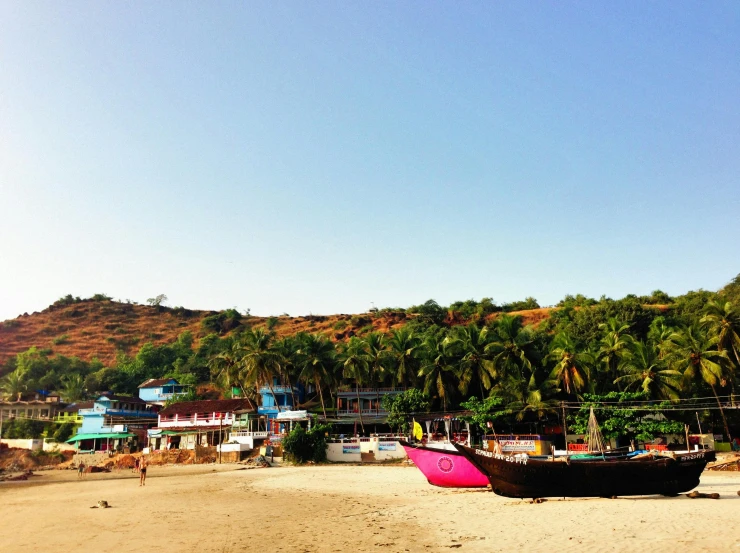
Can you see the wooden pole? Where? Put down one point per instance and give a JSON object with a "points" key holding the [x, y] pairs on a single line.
{"points": [[698, 421], [565, 429], [686, 429]]}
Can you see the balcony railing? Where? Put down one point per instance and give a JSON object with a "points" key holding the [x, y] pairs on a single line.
{"points": [[247, 434], [196, 421], [355, 412], [381, 391], [116, 412], [8, 416], [76, 419], [280, 389], [265, 408]]}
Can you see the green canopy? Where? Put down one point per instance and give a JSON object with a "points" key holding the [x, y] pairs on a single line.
{"points": [[80, 437]]}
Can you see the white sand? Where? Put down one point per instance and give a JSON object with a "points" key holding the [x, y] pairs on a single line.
{"points": [[343, 509]]}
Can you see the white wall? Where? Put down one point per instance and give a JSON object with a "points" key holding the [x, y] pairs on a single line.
{"points": [[233, 447], [336, 453], [24, 444], [348, 452], [58, 446], [391, 450]]}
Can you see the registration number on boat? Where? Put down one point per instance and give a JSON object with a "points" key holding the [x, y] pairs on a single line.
{"points": [[507, 458]]}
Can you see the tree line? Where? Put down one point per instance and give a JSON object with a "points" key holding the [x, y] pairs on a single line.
{"points": [[666, 348]]}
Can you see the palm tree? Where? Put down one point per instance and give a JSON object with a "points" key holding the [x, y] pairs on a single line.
{"points": [[13, 385], [356, 363], [525, 395], [226, 366], [643, 368], [261, 361], [469, 344], [288, 349], [659, 334], [613, 346], [694, 353], [317, 360], [723, 321], [404, 351], [73, 388], [436, 368], [511, 350], [572, 368], [377, 350]]}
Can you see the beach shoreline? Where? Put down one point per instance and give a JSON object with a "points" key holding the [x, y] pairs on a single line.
{"points": [[229, 509]]}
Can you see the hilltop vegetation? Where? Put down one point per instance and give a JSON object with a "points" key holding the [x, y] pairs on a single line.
{"points": [[525, 357]]}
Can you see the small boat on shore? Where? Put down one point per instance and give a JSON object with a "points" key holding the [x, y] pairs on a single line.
{"points": [[444, 467], [647, 474], [601, 473]]}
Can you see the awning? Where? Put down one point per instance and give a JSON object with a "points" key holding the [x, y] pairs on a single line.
{"points": [[156, 433], [80, 437]]}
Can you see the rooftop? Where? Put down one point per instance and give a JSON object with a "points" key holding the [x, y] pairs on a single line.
{"points": [[158, 382], [74, 407], [127, 399], [209, 406]]}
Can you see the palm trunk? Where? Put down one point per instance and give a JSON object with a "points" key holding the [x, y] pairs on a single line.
{"points": [[722, 412], [321, 395], [292, 393], [359, 408], [274, 397]]}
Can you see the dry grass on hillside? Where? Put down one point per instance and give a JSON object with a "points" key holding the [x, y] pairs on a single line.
{"points": [[101, 329]]}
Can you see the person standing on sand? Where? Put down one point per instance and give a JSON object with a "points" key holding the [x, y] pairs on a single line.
{"points": [[80, 470], [136, 466], [142, 472]]}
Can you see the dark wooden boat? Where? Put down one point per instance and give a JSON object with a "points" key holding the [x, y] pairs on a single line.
{"points": [[518, 476]]}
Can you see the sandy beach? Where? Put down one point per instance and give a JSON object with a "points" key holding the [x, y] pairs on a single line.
{"points": [[221, 509]]}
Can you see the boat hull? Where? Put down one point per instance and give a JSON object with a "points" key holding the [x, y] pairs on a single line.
{"points": [[517, 477], [445, 468]]}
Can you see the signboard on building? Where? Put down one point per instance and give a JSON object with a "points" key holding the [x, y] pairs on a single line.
{"points": [[517, 445], [387, 446], [292, 415], [348, 449]]}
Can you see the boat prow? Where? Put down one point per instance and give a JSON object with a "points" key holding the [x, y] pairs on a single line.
{"points": [[445, 468]]}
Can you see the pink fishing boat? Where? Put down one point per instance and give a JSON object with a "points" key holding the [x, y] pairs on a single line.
{"points": [[445, 468]]}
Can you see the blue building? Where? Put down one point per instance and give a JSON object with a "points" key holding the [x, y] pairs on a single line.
{"points": [[159, 390], [113, 420], [285, 398]]}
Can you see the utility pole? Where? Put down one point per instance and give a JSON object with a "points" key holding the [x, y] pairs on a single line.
{"points": [[220, 437]]}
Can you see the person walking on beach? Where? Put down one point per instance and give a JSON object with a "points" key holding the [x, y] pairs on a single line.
{"points": [[136, 466], [81, 470], [142, 472]]}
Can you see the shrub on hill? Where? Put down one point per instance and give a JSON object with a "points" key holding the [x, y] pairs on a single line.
{"points": [[222, 322], [528, 303]]}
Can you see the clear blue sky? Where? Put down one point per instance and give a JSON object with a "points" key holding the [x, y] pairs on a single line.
{"points": [[319, 156]]}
